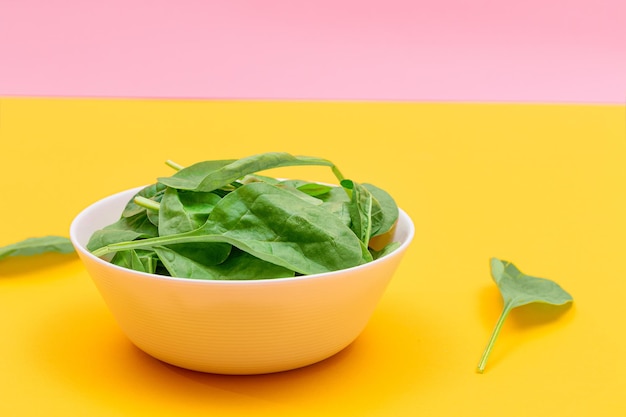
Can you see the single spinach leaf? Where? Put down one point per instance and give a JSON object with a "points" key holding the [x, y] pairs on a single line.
{"points": [[362, 209], [36, 246], [390, 247], [337, 202], [212, 175], [388, 208], [184, 211], [129, 259], [125, 229], [149, 259], [518, 289], [239, 266], [152, 192], [206, 253], [314, 189]]}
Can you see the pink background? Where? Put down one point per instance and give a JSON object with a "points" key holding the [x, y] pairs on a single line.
{"points": [[437, 50]]}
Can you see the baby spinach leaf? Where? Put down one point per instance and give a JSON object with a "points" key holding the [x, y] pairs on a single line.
{"points": [[211, 175], [388, 210], [36, 246], [313, 189], [152, 192], [361, 209], [129, 259], [281, 228], [206, 253], [518, 289], [125, 229], [239, 266], [386, 250], [149, 259], [183, 211]]}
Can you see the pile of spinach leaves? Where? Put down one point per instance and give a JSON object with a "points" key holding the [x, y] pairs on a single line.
{"points": [[222, 220]]}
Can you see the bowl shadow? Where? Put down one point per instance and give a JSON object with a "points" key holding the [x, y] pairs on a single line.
{"points": [[88, 351]]}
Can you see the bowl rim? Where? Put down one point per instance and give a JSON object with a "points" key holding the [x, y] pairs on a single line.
{"points": [[74, 228]]}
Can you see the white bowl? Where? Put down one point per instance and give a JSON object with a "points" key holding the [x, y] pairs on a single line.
{"points": [[236, 327]]}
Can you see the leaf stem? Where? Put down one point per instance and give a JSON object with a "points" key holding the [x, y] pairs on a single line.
{"points": [[147, 203], [492, 339], [337, 173], [173, 165]]}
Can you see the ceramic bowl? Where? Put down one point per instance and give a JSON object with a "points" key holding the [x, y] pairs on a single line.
{"points": [[236, 327]]}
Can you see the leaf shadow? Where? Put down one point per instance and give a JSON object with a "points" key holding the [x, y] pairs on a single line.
{"points": [[79, 363], [19, 266], [519, 324], [537, 314]]}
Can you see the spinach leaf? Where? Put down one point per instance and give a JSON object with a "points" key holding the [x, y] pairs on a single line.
{"points": [[125, 229], [337, 202], [273, 225], [212, 175], [239, 266], [281, 228], [152, 192], [518, 289], [36, 246], [386, 250], [361, 209], [389, 212], [130, 259], [206, 253], [184, 211], [314, 189], [139, 260]]}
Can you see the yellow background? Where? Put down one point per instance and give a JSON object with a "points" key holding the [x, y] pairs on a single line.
{"points": [[543, 186]]}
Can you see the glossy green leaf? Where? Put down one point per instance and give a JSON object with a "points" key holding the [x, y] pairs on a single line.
{"points": [[314, 189], [125, 229], [239, 266], [206, 253], [152, 192], [129, 259], [36, 246], [390, 247], [518, 289], [182, 211], [386, 210], [212, 175], [361, 209]]}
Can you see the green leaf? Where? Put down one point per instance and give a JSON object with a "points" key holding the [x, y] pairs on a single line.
{"points": [[129, 259], [314, 189], [152, 192], [390, 247], [125, 229], [361, 209], [239, 266], [183, 211], [388, 212], [36, 246], [518, 289], [212, 175]]}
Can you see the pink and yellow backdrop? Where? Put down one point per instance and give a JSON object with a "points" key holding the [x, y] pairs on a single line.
{"points": [[448, 50], [394, 92]]}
